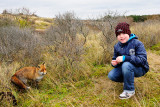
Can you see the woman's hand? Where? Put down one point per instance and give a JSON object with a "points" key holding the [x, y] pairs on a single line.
{"points": [[114, 62], [119, 59]]}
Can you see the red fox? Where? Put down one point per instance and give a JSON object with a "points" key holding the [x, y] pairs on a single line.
{"points": [[28, 73]]}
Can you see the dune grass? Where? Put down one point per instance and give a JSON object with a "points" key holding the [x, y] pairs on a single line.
{"points": [[86, 83], [96, 90]]}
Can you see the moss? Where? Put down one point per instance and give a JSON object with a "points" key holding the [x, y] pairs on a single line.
{"points": [[156, 47], [101, 70], [84, 83]]}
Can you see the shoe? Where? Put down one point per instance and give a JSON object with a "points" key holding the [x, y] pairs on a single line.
{"points": [[126, 95]]}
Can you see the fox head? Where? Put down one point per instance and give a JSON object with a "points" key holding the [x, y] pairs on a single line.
{"points": [[42, 69]]}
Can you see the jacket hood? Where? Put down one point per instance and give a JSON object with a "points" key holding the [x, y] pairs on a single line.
{"points": [[132, 36]]}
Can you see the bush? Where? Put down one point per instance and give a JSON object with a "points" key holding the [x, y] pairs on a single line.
{"points": [[138, 18], [4, 21], [66, 47], [18, 44]]}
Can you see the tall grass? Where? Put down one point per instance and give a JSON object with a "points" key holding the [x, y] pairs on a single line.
{"points": [[148, 32]]}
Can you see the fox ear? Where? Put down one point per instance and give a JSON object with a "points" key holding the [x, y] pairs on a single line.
{"points": [[38, 66], [43, 63]]}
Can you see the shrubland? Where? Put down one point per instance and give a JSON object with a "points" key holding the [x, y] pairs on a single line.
{"points": [[78, 54]]}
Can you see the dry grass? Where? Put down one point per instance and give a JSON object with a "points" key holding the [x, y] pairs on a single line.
{"points": [[41, 24], [154, 62], [85, 83], [94, 91], [148, 32]]}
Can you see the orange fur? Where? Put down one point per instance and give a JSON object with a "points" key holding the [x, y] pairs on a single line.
{"points": [[28, 73]]}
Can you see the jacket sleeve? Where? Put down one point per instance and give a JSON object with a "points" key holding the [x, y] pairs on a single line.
{"points": [[140, 57], [115, 55]]}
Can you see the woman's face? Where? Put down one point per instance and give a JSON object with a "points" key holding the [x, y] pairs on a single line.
{"points": [[123, 38]]}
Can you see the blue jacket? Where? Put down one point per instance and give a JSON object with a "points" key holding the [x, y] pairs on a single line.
{"points": [[133, 51]]}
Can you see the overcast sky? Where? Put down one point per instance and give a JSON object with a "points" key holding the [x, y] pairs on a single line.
{"points": [[83, 8]]}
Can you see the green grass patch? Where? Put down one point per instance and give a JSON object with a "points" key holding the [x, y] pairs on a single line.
{"points": [[84, 83], [42, 25], [156, 47], [101, 70]]}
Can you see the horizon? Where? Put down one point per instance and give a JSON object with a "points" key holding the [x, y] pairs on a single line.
{"points": [[84, 9], [89, 18]]}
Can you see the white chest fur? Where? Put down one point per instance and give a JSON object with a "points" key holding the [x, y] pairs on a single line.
{"points": [[39, 78], [41, 74]]}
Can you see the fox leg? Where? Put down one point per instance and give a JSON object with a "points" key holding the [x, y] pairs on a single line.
{"points": [[24, 80], [18, 82], [37, 84]]}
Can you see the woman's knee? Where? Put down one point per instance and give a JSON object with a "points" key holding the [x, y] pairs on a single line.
{"points": [[126, 64], [127, 67], [115, 74], [111, 76]]}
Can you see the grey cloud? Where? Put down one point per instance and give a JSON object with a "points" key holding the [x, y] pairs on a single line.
{"points": [[83, 8]]}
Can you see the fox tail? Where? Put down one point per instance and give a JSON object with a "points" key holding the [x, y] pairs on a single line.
{"points": [[18, 82]]}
